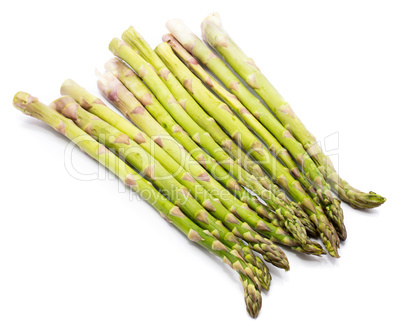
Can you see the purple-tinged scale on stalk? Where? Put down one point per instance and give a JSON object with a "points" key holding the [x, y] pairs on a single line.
{"points": [[138, 110], [159, 141], [249, 237], [218, 246], [102, 150], [192, 61], [227, 144], [89, 129], [164, 73], [237, 266], [208, 233], [99, 101], [287, 134], [236, 233], [307, 203], [251, 63], [283, 182], [257, 147], [188, 177], [298, 187], [227, 262], [146, 99], [209, 82], [226, 108], [203, 177], [142, 71], [234, 211], [201, 159], [227, 162], [230, 218], [252, 81], [261, 226], [318, 181], [175, 211], [236, 254], [207, 204], [61, 128], [84, 103], [233, 185], [234, 85], [245, 206], [177, 129], [300, 160], [194, 236], [313, 150], [296, 172], [202, 216], [122, 138], [139, 138], [286, 109], [182, 103], [188, 84], [172, 100], [149, 171], [245, 111], [130, 180]]}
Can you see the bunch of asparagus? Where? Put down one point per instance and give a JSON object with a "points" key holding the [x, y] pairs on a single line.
{"points": [[202, 146]]}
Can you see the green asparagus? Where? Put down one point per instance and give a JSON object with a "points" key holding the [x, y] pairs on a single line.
{"points": [[270, 252], [135, 85], [117, 94], [137, 42], [214, 34], [322, 191], [31, 106], [157, 174], [238, 131]]}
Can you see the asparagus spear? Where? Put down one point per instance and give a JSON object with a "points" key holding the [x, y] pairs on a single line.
{"points": [[214, 34], [321, 192], [222, 114], [126, 102], [157, 174], [137, 42], [135, 85], [270, 251], [31, 106]]}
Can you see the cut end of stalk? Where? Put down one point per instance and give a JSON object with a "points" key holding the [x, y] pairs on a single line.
{"points": [[22, 100], [66, 86], [182, 32]]}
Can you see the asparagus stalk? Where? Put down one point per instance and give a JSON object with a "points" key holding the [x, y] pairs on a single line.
{"points": [[321, 192], [223, 115], [135, 85], [135, 40], [31, 106], [126, 102], [215, 35], [158, 175], [270, 252]]}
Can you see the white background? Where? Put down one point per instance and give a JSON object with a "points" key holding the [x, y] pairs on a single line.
{"points": [[86, 256]]}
